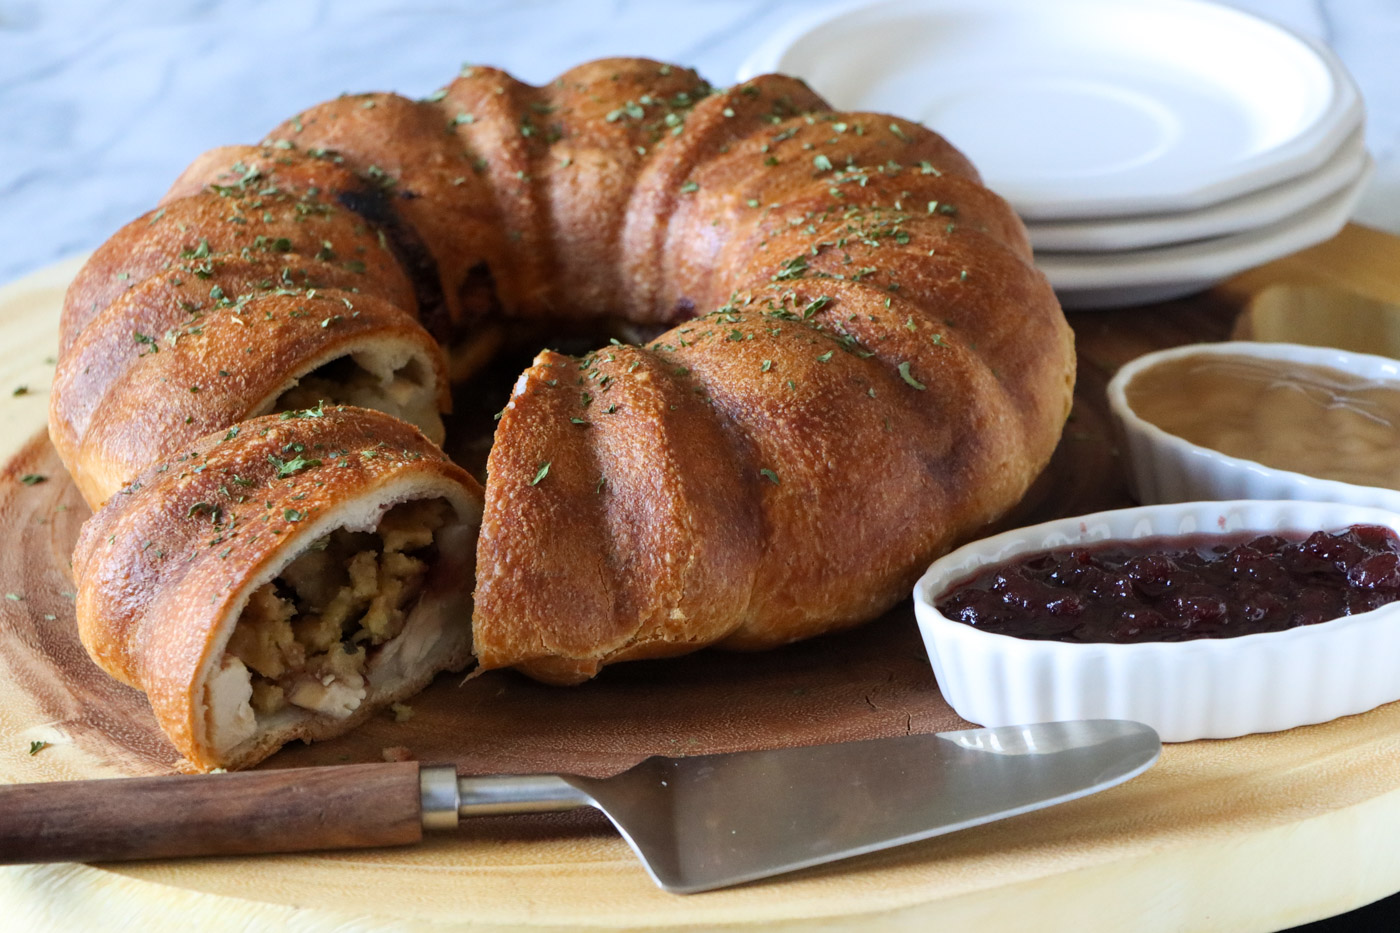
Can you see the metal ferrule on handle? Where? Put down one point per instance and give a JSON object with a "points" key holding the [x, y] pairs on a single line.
{"points": [[446, 797]]}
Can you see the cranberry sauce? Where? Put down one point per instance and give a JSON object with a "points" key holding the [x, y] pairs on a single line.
{"points": [[1178, 588]]}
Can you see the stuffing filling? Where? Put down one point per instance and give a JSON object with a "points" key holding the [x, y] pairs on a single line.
{"points": [[305, 638], [405, 391]]}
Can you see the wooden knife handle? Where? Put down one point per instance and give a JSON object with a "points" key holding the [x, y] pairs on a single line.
{"points": [[349, 806]]}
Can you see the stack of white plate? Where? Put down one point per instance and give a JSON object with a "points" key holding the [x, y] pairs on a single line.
{"points": [[1153, 148]]}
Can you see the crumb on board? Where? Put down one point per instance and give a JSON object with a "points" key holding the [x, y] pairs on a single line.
{"points": [[396, 753]]}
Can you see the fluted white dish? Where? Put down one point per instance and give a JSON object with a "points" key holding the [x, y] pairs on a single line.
{"points": [[1253, 211], [1200, 689], [1166, 468], [1114, 280], [1086, 108]]}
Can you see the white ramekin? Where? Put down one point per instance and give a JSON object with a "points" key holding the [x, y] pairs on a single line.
{"points": [[1166, 468], [1204, 688]]}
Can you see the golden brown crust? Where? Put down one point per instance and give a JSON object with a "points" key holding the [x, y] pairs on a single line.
{"points": [[887, 376], [238, 222], [881, 372], [233, 369], [621, 471], [608, 122], [168, 313], [715, 121], [263, 169], [162, 566], [484, 108], [429, 184]]}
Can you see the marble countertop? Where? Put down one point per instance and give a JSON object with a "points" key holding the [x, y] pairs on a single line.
{"points": [[105, 101]]}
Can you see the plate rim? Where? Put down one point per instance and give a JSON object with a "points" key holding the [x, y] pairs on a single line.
{"points": [[1204, 261], [1250, 211], [1302, 153]]}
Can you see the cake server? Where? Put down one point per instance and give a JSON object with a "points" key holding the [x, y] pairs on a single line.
{"points": [[696, 823]]}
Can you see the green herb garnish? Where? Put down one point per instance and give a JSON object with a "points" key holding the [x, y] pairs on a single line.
{"points": [[291, 467]]}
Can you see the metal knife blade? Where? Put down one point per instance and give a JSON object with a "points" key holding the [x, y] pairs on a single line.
{"points": [[716, 820], [697, 823]]}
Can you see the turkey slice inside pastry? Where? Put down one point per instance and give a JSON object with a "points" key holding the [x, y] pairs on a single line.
{"points": [[394, 379], [358, 618]]}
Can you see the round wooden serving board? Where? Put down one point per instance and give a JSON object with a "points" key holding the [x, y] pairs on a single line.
{"points": [[1257, 833]]}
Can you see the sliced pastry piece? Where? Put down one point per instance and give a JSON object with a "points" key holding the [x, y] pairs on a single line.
{"points": [[281, 580], [230, 221], [252, 354], [168, 313]]}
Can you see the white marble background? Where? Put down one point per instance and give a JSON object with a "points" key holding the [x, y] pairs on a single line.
{"points": [[103, 102]]}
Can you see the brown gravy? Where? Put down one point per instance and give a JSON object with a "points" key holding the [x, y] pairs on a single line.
{"points": [[1308, 419]]}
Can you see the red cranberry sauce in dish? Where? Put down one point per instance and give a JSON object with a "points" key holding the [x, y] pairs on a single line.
{"points": [[1183, 587]]}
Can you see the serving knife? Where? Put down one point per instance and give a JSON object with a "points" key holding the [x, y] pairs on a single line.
{"points": [[697, 823]]}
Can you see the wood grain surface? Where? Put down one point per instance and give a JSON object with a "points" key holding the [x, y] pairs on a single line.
{"points": [[181, 815], [1257, 833]]}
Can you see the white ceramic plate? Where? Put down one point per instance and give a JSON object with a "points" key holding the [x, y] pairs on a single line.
{"points": [[1087, 108], [1116, 280], [1247, 212], [1164, 467], [1207, 688]]}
